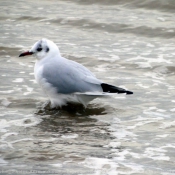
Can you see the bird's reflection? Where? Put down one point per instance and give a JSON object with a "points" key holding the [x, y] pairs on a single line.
{"points": [[71, 109], [70, 118]]}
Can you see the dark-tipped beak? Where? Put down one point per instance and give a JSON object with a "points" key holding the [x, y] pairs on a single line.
{"points": [[25, 54]]}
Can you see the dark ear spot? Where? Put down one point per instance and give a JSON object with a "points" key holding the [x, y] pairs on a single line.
{"points": [[47, 49]]}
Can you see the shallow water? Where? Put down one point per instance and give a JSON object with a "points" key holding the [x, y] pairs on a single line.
{"points": [[126, 43]]}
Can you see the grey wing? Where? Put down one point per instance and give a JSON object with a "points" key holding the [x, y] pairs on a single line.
{"points": [[71, 77]]}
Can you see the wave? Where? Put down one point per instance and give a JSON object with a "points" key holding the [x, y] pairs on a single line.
{"points": [[167, 5], [107, 27], [30, 18]]}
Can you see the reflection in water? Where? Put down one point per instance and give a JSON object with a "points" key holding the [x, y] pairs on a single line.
{"points": [[70, 119], [71, 109]]}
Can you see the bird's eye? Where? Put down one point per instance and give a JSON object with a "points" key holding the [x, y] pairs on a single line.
{"points": [[39, 49]]}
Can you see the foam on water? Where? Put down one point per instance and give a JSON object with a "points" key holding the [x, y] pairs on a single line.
{"points": [[70, 136], [28, 121], [101, 165]]}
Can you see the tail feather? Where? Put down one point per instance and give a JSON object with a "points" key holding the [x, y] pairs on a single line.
{"points": [[113, 89]]}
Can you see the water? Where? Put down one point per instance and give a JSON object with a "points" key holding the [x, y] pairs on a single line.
{"points": [[125, 43]]}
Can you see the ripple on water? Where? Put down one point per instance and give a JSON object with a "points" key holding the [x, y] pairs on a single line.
{"points": [[28, 121]]}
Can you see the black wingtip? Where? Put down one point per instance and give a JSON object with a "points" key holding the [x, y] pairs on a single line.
{"points": [[129, 92], [113, 89]]}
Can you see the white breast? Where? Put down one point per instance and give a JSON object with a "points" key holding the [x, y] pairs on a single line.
{"points": [[46, 87], [55, 98]]}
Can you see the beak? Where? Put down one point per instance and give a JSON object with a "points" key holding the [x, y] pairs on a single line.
{"points": [[25, 53]]}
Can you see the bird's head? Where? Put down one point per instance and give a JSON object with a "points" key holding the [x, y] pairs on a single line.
{"points": [[41, 49]]}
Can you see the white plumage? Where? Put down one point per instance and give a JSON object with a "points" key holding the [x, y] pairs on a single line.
{"points": [[65, 80]]}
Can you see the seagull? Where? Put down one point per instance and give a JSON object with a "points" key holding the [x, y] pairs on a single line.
{"points": [[65, 81]]}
